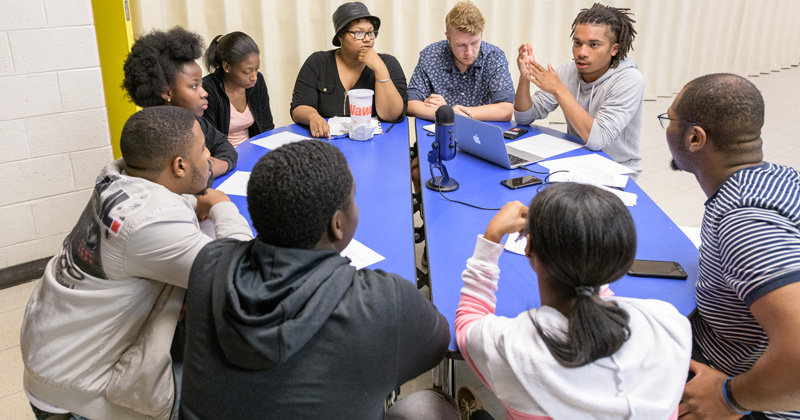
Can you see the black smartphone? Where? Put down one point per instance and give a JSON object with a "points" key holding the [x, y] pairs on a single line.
{"points": [[664, 269], [523, 181], [513, 133]]}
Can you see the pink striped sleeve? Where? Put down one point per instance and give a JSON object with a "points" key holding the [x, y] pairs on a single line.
{"points": [[469, 311]]}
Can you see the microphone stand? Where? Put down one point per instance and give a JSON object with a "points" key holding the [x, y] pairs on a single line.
{"points": [[439, 183]]}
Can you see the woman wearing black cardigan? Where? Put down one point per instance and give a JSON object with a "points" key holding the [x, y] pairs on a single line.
{"points": [[238, 100]]}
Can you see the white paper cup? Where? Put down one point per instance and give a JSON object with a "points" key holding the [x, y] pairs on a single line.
{"points": [[360, 113]]}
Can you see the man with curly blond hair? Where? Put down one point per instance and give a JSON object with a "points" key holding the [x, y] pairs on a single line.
{"points": [[462, 71]]}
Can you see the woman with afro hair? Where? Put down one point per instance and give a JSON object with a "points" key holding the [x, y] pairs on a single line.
{"points": [[161, 70]]}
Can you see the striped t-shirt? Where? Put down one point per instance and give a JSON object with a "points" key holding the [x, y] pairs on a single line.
{"points": [[750, 247]]}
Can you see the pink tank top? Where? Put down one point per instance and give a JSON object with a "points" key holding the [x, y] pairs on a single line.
{"points": [[240, 123]]}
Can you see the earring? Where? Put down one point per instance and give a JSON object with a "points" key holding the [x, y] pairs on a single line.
{"points": [[227, 71], [169, 99]]}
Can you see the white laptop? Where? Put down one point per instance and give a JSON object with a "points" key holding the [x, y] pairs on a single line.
{"points": [[486, 141]]}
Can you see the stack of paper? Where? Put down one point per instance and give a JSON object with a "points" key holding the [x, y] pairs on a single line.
{"points": [[590, 177], [592, 169], [592, 162]]}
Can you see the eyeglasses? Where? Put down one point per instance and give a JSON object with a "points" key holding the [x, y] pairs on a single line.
{"points": [[663, 117], [359, 35]]}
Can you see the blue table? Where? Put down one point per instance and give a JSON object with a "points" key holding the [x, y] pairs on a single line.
{"points": [[452, 229], [382, 175]]}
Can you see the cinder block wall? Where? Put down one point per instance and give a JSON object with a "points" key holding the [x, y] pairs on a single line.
{"points": [[54, 136]]}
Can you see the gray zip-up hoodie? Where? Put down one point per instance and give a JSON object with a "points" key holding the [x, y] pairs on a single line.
{"points": [[615, 101]]}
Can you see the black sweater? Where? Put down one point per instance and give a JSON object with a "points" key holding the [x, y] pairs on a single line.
{"points": [[218, 145], [318, 85], [218, 113]]}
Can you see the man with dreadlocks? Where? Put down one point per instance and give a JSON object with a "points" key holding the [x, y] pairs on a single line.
{"points": [[600, 92]]}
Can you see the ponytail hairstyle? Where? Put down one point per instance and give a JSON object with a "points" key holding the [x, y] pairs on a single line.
{"points": [[619, 22], [233, 48], [583, 237]]}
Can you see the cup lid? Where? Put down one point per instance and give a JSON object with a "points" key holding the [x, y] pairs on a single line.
{"points": [[360, 93]]}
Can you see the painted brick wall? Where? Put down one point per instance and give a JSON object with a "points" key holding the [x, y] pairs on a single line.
{"points": [[53, 127]]}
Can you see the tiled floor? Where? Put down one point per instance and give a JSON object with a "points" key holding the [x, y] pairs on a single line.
{"points": [[13, 402], [676, 193]]}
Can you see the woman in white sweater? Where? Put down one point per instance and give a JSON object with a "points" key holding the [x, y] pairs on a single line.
{"points": [[580, 355]]}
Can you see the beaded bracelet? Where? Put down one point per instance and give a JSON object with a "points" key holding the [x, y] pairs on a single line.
{"points": [[384, 80], [728, 392]]}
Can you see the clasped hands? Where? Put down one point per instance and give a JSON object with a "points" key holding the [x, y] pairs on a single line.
{"points": [[206, 200], [545, 79], [436, 100]]}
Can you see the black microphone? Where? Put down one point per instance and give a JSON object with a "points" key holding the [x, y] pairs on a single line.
{"points": [[442, 149]]}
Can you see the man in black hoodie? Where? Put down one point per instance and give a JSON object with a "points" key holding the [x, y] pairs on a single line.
{"points": [[282, 327]]}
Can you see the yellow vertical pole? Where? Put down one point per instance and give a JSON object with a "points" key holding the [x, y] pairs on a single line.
{"points": [[114, 31]]}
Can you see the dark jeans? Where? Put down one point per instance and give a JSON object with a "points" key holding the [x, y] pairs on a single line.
{"points": [[44, 415], [481, 415]]}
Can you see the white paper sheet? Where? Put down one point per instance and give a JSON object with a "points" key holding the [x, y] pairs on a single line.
{"points": [[590, 177], [544, 145], [236, 184], [339, 126], [276, 140], [693, 233], [592, 162], [516, 244], [360, 255], [629, 199]]}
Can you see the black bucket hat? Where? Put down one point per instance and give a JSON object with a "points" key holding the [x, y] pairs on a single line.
{"points": [[349, 12]]}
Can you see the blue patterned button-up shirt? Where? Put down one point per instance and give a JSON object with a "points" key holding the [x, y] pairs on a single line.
{"points": [[487, 81]]}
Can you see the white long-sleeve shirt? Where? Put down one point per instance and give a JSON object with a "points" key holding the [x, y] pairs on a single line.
{"points": [[644, 379]]}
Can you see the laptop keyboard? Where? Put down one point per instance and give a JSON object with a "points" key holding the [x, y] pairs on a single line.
{"points": [[516, 160]]}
